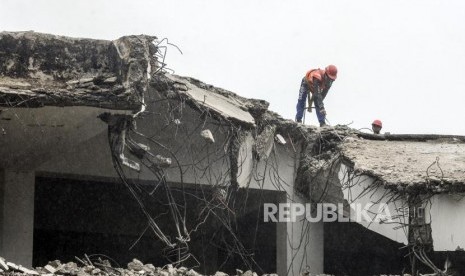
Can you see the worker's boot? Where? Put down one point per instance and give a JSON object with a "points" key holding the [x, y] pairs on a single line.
{"points": [[323, 124]]}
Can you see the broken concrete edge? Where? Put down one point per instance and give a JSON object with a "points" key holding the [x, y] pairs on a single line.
{"points": [[410, 137], [322, 149], [263, 117], [171, 89], [428, 186], [49, 70]]}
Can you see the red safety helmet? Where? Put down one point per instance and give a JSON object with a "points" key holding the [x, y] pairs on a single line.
{"points": [[331, 71], [377, 123]]}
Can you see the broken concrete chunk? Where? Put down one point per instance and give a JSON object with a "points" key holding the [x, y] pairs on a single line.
{"points": [[135, 265], [130, 164], [72, 82], [149, 268], [280, 139], [219, 273], [85, 80], [89, 268], [19, 85], [71, 266], [192, 273], [85, 85], [28, 271], [171, 269], [264, 142], [177, 122], [248, 273], [50, 268], [21, 269], [163, 162], [3, 264], [12, 266], [207, 135], [110, 80], [182, 270], [180, 87], [137, 149]]}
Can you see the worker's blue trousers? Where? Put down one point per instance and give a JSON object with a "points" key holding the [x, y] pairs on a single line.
{"points": [[303, 91]]}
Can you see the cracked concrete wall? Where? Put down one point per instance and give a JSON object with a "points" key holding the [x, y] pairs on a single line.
{"points": [[446, 213], [17, 216], [359, 191], [300, 243], [93, 158]]}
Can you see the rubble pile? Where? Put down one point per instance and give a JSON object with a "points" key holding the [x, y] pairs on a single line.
{"points": [[104, 268]]}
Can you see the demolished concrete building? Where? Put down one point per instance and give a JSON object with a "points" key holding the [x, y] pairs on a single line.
{"points": [[105, 152]]}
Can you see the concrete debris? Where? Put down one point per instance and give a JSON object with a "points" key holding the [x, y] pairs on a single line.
{"points": [[136, 265], [192, 273], [50, 268], [280, 139], [110, 80], [130, 164], [137, 149], [207, 97], [162, 162], [19, 268], [207, 135], [84, 72], [3, 264], [177, 122], [411, 165], [264, 142], [104, 268]]}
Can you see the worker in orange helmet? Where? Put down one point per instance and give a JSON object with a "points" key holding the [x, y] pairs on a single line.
{"points": [[376, 126], [317, 82]]}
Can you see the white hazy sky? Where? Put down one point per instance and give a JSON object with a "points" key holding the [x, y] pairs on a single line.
{"points": [[399, 61]]}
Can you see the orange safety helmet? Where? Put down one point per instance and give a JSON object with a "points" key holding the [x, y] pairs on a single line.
{"points": [[331, 71], [377, 123]]}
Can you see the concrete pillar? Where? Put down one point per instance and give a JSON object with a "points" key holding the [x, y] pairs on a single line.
{"points": [[300, 244], [17, 216]]}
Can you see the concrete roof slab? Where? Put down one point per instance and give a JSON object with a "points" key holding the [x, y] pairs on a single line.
{"points": [[227, 107], [401, 163]]}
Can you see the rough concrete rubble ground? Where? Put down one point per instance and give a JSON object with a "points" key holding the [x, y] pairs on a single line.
{"points": [[104, 268]]}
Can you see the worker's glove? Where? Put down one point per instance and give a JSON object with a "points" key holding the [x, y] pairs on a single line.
{"points": [[323, 111]]}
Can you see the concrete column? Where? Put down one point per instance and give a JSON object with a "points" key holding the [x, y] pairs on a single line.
{"points": [[304, 244], [17, 216]]}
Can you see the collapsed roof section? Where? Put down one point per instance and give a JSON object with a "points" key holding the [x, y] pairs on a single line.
{"points": [[436, 165], [404, 163], [47, 70]]}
